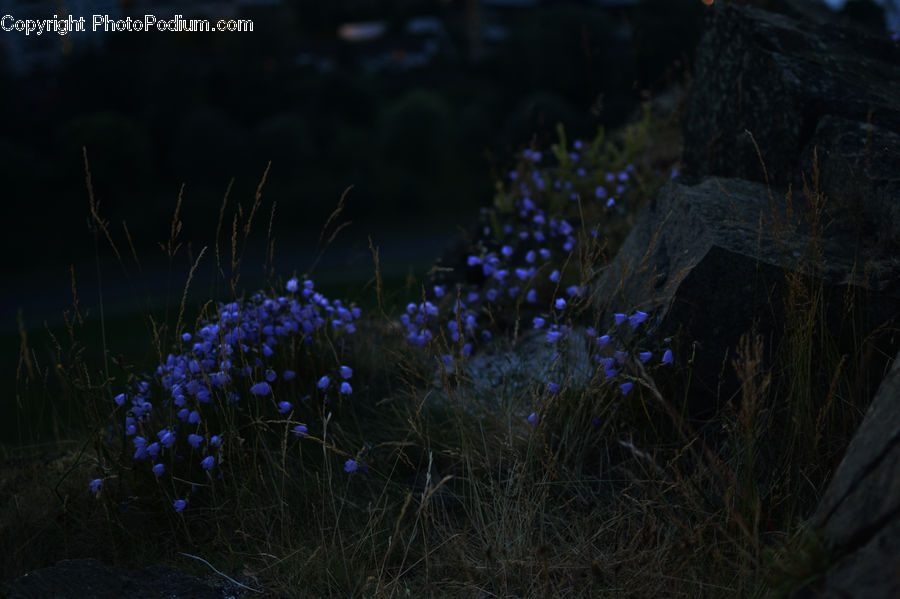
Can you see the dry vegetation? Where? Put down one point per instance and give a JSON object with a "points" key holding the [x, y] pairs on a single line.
{"points": [[606, 496]]}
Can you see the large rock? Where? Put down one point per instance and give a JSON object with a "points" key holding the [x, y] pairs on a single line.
{"points": [[859, 516], [710, 256], [88, 578], [710, 262], [796, 85]]}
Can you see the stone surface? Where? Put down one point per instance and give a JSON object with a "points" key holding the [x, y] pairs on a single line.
{"points": [[88, 578], [796, 84], [859, 516], [709, 256], [859, 166], [709, 261]]}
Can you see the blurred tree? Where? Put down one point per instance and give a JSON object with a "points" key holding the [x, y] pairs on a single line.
{"points": [[537, 114], [665, 31], [417, 131]]}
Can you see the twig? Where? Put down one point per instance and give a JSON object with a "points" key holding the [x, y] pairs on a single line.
{"points": [[230, 579]]}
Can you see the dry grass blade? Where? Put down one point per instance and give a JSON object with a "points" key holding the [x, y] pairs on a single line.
{"points": [[184, 295]]}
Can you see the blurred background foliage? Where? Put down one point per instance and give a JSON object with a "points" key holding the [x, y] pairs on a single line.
{"points": [[417, 140]]}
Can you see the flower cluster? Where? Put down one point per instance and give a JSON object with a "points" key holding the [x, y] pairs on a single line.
{"points": [[522, 250], [613, 353], [548, 214], [227, 361]]}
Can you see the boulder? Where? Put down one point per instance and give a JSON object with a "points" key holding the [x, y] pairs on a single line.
{"points": [[709, 262], [859, 516], [792, 86], [82, 578], [819, 105]]}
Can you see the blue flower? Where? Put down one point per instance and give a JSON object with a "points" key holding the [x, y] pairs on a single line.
{"points": [[447, 359], [553, 388], [667, 357], [158, 470], [216, 441], [554, 276], [346, 372], [346, 389], [179, 504], [96, 484], [271, 375], [300, 430], [289, 375], [637, 318], [531, 296], [602, 341], [166, 437], [120, 399], [600, 192], [506, 251], [208, 462], [139, 442], [284, 407], [644, 356], [261, 388], [560, 304], [350, 466], [194, 440], [324, 382], [532, 418], [292, 285], [620, 318], [625, 387], [194, 417]]}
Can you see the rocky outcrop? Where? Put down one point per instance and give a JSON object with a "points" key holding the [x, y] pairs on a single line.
{"points": [[710, 260], [819, 106], [83, 578], [792, 85], [709, 257], [859, 516]]}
